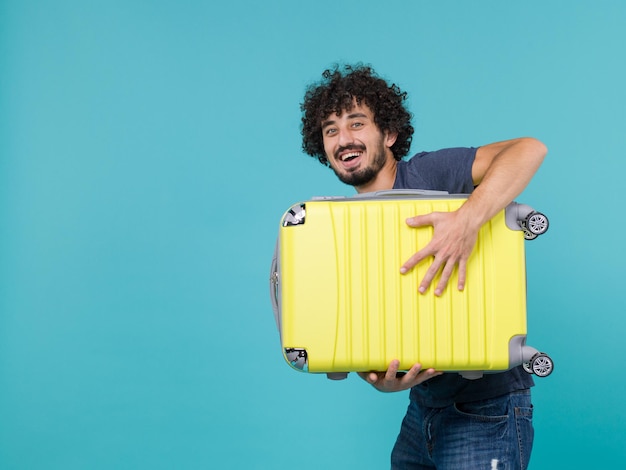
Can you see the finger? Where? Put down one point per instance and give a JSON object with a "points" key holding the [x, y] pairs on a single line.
{"points": [[415, 260], [413, 372], [416, 375], [420, 220], [390, 375], [462, 274], [430, 275], [370, 377], [428, 374], [445, 277]]}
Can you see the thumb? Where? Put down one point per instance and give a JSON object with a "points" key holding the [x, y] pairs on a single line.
{"points": [[420, 220]]}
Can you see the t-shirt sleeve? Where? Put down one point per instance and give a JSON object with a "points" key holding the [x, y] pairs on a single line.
{"points": [[443, 170]]}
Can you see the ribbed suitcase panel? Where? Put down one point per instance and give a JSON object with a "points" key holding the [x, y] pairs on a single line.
{"points": [[354, 311]]}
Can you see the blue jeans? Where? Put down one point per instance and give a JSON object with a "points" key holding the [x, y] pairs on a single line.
{"points": [[487, 434]]}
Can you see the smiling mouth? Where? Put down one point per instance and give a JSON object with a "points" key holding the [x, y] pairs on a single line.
{"points": [[346, 157], [347, 154]]}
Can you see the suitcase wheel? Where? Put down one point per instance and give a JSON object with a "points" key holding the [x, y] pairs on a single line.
{"points": [[536, 223], [541, 365], [528, 235]]}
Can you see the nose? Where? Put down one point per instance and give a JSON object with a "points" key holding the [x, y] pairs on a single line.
{"points": [[345, 137]]}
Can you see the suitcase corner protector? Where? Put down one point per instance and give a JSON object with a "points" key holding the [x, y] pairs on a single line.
{"points": [[297, 358]]}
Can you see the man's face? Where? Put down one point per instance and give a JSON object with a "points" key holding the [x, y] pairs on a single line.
{"points": [[355, 147]]}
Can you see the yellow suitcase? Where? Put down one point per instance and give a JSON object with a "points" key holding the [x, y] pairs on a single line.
{"points": [[341, 304]]}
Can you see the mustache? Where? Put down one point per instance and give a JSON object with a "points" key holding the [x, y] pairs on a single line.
{"points": [[352, 147]]}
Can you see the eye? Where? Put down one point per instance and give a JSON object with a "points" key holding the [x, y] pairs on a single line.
{"points": [[330, 131], [357, 124]]}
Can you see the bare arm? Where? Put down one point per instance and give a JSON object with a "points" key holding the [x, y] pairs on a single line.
{"points": [[501, 170]]}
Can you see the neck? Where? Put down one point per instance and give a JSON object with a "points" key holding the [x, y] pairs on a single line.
{"points": [[385, 178]]}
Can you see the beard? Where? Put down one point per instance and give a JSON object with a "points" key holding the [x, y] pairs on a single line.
{"points": [[362, 176]]}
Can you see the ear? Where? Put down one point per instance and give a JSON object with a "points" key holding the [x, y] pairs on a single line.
{"points": [[390, 138]]}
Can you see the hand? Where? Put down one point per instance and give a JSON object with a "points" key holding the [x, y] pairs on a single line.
{"points": [[390, 381], [454, 237]]}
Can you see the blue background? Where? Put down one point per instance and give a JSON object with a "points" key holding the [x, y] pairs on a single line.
{"points": [[147, 152]]}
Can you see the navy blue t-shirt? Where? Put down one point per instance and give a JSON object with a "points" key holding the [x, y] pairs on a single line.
{"points": [[451, 170], [444, 170]]}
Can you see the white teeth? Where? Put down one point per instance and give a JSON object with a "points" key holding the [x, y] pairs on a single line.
{"points": [[348, 156]]}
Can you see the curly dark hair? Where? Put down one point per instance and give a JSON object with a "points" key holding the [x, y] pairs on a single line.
{"points": [[337, 92]]}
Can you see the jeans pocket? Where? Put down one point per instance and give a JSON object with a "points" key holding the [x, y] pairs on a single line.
{"points": [[492, 410], [524, 412]]}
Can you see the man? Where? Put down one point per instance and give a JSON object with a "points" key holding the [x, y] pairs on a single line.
{"points": [[356, 123]]}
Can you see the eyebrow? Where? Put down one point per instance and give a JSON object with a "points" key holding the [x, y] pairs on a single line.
{"points": [[330, 122]]}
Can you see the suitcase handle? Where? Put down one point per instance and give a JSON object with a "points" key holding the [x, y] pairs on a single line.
{"points": [[392, 193], [274, 286], [408, 192], [404, 193]]}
